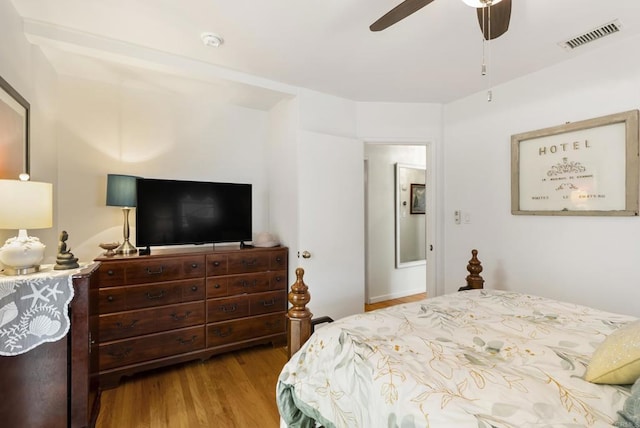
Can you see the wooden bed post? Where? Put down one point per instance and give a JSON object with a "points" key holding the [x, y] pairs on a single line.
{"points": [[299, 328], [474, 280]]}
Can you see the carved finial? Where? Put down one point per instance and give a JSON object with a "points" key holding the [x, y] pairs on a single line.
{"points": [[299, 324], [474, 280], [299, 296]]}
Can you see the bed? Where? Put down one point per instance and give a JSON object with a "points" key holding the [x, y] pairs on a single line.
{"points": [[475, 358]]}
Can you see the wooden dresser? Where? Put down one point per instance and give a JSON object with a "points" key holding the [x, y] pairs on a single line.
{"points": [[55, 385], [178, 305]]}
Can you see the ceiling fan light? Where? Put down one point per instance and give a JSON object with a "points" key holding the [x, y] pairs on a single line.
{"points": [[481, 3]]}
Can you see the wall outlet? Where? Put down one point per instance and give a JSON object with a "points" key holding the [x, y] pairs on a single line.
{"points": [[456, 216]]}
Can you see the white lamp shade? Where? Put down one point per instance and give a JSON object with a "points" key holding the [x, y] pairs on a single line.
{"points": [[25, 204], [481, 3]]}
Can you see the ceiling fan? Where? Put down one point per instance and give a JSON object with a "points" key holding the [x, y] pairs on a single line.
{"points": [[493, 15]]}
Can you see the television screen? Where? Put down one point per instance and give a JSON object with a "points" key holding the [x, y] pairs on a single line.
{"points": [[173, 212]]}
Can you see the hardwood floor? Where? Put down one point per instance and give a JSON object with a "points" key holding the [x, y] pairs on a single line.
{"points": [[378, 305], [234, 390]]}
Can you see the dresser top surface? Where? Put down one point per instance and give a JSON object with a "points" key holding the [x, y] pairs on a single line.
{"points": [[187, 251]]}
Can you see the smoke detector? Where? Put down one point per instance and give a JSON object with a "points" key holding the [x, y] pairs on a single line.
{"points": [[211, 39]]}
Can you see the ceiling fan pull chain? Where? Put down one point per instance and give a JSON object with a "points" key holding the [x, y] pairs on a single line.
{"points": [[489, 92], [483, 69]]}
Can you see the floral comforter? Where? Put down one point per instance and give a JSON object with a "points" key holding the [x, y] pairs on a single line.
{"points": [[479, 358]]}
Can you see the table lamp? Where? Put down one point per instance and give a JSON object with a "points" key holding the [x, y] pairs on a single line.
{"points": [[25, 205], [121, 192]]}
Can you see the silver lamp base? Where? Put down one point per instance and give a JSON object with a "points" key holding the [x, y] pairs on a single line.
{"points": [[126, 248], [20, 271]]}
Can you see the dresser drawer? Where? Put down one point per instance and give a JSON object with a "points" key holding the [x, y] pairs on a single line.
{"points": [[145, 321], [264, 303], [222, 286], [130, 351], [223, 333], [227, 308], [110, 274], [114, 299], [249, 283], [165, 269], [278, 280], [248, 262], [278, 259], [217, 264], [217, 286]]}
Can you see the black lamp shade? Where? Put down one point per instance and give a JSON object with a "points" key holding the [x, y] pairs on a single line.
{"points": [[121, 190]]}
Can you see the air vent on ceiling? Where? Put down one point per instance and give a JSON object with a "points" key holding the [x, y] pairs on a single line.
{"points": [[593, 35]]}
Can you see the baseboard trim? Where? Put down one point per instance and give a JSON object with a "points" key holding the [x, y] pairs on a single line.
{"points": [[391, 296]]}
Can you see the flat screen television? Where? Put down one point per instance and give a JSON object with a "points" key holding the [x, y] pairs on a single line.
{"points": [[176, 212]]}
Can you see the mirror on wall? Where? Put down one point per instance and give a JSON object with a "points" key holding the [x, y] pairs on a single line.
{"points": [[410, 199]]}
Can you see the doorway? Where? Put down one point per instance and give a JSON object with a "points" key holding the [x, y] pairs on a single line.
{"points": [[385, 279]]}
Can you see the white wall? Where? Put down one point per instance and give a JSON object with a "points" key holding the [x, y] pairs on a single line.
{"points": [[332, 116], [590, 260], [586, 259], [139, 128], [330, 203], [27, 71], [384, 280], [415, 123], [283, 177]]}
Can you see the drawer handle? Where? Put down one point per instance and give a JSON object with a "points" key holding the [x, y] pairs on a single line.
{"points": [[216, 264], [267, 303], [247, 284], [194, 288], [155, 272], [279, 259], [249, 262], [187, 341], [278, 278], [121, 353], [177, 317], [218, 332], [160, 295], [126, 327], [216, 286], [194, 265], [110, 272], [229, 308], [110, 298]]}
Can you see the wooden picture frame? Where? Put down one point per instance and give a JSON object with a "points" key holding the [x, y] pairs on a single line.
{"points": [[418, 198], [585, 168], [14, 132]]}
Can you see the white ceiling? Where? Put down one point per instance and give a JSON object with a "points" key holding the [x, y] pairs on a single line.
{"points": [[274, 46]]}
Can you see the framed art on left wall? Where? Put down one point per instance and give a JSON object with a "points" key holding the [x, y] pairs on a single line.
{"points": [[14, 132]]}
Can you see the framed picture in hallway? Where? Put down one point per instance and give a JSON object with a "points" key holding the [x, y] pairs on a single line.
{"points": [[585, 168], [418, 198], [14, 132]]}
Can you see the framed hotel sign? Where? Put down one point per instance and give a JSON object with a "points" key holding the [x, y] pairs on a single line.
{"points": [[582, 168]]}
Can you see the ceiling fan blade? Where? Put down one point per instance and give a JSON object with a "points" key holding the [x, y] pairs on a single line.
{"points": [[500, 14], [398, 13]]}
